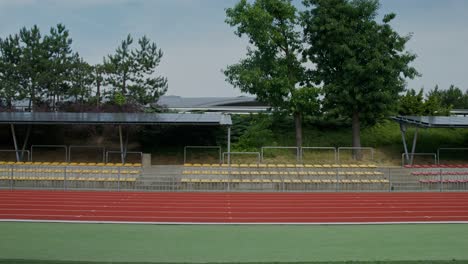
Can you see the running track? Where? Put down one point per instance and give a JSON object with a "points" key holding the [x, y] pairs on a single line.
{"points": [[168, 207]]}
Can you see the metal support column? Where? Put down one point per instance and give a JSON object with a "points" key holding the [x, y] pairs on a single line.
{"points": [[403, 136], [121, 145], [229, 144], [126, 144], [413, 148], [15, 142], [28, 132]]}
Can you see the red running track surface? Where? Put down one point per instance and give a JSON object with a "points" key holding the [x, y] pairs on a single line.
{"points": [[166, 207]]}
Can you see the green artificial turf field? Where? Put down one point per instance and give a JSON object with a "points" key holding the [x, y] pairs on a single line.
{"points": [[109, 243]]}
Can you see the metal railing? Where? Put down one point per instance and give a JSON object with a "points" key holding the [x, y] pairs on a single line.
{"points": [[49, 147], [450, 149], [14, 176], [203, 147], [102, 150], [298, 152], [123, 153], [412, 155], [243, 153], [235, 179], [28, 153], [335, 156], [357, 149]]}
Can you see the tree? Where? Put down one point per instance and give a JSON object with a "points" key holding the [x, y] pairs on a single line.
{"points": [[272, 70], [411, 103], [362, 64], [10, 75], [33, 63], [59, 62], [81, 80], [131, 72]]}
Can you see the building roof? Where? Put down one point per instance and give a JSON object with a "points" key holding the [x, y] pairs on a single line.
{"points": [[434, 121], [212, 104], [114, 118]]}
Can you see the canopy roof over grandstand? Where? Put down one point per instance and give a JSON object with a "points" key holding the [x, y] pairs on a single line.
{"points": [[114, 118], [433, 121], [426, 122], [119, 119]]}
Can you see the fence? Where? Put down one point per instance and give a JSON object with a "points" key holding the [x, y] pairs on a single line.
{"points": [[124, 158], [202, 147], [14, 176], [321, 149], [229, 156], [65, 158], [234, 178], [297, 150], [412, 155], [356, 149], [451, 149], [18, 152], [102, 151]]}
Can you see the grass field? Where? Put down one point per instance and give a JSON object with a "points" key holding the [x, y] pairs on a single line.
{"points": [[125, 243]]}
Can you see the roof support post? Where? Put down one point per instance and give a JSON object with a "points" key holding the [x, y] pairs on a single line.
{"points": [[229, 144], [413, 148], [403, 136], [126, 143], [15, 142], [28, 132], [121, 145]]}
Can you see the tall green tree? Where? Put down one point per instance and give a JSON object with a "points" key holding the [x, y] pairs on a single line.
{"points": [[361, 63], [59, 62], [82, 80], [33, 63], [131, 72], [10, 74], [272, 69], [453, 97]]}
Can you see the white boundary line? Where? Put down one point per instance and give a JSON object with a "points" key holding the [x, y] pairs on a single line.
{"points": [[229, 223]]}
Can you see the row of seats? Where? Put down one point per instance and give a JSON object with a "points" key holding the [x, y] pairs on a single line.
{"points": [[261, 165], [443, 181], [322, 181], [282, 173], [101, 164], [16, 178], [79, 171], [438, 166], [435, 173]]}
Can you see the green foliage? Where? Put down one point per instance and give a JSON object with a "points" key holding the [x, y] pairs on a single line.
{"points": [[118, 99], [453, 97], [130, 71], [257, 134], [272, 69], [413, 103], [360, 62], [45, 70]]}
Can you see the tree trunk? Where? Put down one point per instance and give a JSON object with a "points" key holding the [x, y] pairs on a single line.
{"points": [[356, 127], [298, 122]]}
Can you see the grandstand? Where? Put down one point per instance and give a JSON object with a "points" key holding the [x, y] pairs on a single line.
{"points": [[234, 171]]}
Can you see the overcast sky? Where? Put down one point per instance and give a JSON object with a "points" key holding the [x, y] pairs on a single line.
{"points": [[197, 44]]}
